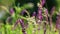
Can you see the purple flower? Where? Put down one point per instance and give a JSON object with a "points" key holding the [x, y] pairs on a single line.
{"points": [[21, 22], [34, 14], [46, 11], [23, 11], [16, 23], [9, 20], [58, 22], [22, 25], [43, 2], [52, 10], [39, 15], [11, 11], [50, 17]]}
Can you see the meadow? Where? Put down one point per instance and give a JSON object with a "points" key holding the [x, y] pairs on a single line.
{"points": [[21, 20]]}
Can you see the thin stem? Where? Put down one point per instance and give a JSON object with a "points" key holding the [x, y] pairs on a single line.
{"points": [[3, 7], [44, 28], [50, 22], [28, 13], [59, 31]]}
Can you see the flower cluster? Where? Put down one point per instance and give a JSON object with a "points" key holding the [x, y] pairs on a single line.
{"points": [[41, 17]]}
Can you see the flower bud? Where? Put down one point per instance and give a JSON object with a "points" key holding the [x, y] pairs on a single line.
{"points": [[23, 11], [52, 10], [11, 11], [34, 14], [58, 22], [22, 25], [39, 15], [43, 2]]}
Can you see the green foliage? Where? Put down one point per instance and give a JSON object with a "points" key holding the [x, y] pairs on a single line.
{"points": [[7, 2], [25, 6], [32, 25]]}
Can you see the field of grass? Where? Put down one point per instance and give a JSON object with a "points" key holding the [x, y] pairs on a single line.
{"points": [[19, 20]]}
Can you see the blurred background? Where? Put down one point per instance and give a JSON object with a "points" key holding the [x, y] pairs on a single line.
{"points": [[16, 6]]}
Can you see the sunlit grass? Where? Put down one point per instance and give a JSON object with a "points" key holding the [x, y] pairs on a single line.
{"points": [[8, 29]]}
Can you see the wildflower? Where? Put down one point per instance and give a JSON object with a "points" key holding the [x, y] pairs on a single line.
{"points": [[22, 25], [46, 15], [51, 13], [52, 10], [46, 11], [9, 20], [16, 23], [23, 11], [34, 14], [39, 15], [58, 22], [21, 22], [45, 23], [11, 11], [43, 2]]}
